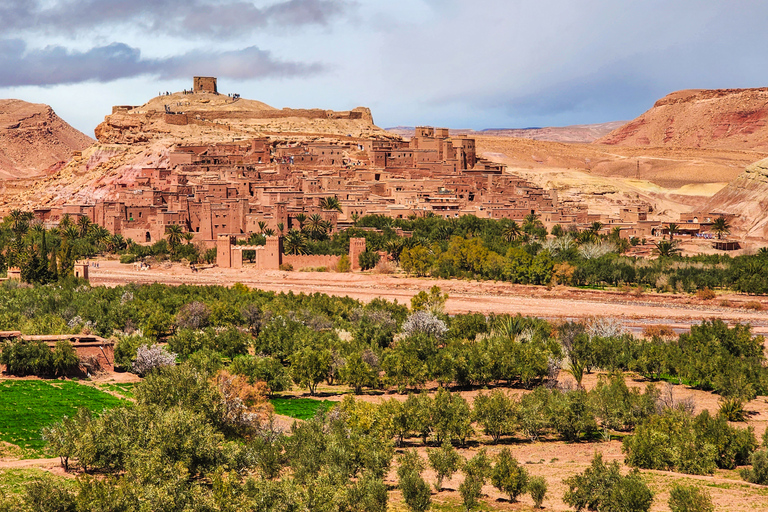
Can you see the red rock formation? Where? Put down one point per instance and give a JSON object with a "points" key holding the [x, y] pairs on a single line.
{"points": [[721, 118], [33, 139]]}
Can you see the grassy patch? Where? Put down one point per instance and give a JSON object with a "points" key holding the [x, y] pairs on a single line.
{"points": [[300, 408], [26, 406], [14, 481], [121, 388]]}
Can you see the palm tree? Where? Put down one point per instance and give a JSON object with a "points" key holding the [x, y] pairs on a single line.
{"points": [[301, 218], [70, 232], [295, 242], [355, 218], [673, 230], [596, 227], [262, 226], [116, 243], [100, 235], [174, 234], [20, 222], [280, 227], [187, 236], [66, 220], [511, 231], [330, 203], [666, 248], [721, 226], [84, 224], [315, 226], [394, 248], [268, 232]]}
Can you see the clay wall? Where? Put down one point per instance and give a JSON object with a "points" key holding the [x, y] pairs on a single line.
{"points": [[176, 119], [273, 114], [299, 262]]}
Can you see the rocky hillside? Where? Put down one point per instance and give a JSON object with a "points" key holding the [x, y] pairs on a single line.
{"points": [[721, 118], [746, 196], [33, 139], [212, 117], [583, 133], [134, 137]]}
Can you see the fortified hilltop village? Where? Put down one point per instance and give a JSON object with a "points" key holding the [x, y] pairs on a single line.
{"points": [[247, 172]]}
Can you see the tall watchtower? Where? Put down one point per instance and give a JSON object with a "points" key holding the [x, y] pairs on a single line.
{"points": [[205, 84]]}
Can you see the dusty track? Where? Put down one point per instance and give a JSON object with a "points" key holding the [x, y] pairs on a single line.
{"points": [[465, 296]]}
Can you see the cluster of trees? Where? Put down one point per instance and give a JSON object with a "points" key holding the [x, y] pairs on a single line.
{"points": [[462, 247], [237, 346], [22, 358], [46, 255], [312, 339]]}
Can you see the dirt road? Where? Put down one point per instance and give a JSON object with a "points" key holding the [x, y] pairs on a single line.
{"points": [[464, 296]]}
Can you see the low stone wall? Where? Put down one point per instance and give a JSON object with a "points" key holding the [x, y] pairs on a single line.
{"points": [[312, 261]]}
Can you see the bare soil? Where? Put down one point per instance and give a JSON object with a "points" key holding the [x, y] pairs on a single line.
{"points": [[678, 310]]}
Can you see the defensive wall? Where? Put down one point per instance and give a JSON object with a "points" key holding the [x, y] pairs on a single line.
{"points": [[271, 255]]}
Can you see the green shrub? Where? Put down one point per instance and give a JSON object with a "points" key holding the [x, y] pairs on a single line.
{"points": [[23, 357], [689, 498], [537, 487], [127, 258], [603, 488], [445, 461], [126, 349], [476, 471], [368, 259], [508, 476], [758, 473], [676, 441]]}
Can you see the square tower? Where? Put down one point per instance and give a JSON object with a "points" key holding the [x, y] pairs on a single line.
{"points": [[205, 84]]}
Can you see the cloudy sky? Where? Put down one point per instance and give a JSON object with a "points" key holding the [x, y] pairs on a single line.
{"points": [[457, 63]]}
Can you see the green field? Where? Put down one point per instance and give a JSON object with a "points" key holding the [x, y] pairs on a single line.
{"points": [[300, 408], [26, 406]]}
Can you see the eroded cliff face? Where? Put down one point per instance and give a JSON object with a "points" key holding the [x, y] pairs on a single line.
{"points": [[34, 139], [721, 118], [746, 196]]}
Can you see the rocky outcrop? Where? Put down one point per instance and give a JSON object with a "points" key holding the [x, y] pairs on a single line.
{"points": [[747, 197], [208, 115], [34, 139], [721, 118]]}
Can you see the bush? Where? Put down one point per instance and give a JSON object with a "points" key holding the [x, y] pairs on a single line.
{"points": [[689, 498], [508, 476], [127, 258], [758, 473], [126, 349], [705, 294], [537, 487], [64, 359], [416, 493], [150, 358], [496, 413], [753, 305], [23, 358], [676, 441], [344, 265], [603, 488], [445, 461], [286, 267], [476, 471], [368, 259]]}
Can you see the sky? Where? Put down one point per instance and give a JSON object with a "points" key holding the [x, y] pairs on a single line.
{"points": [[454, 63]]}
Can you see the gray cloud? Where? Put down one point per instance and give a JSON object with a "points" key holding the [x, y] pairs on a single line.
{"points": [[220, 18], [56, 65]]}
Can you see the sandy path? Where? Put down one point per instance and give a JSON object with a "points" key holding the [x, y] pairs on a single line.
{"points": [[464, 296]]}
